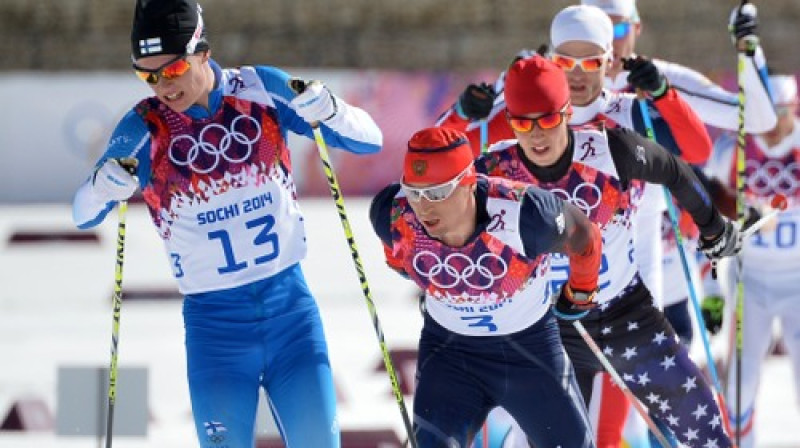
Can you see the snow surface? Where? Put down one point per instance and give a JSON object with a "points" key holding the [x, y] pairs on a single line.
{"points": [[55, 311]]}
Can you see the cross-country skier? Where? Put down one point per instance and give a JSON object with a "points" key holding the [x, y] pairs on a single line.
{"points": [[211, 159], [582, 43], [771, 258], [593, 168], [480, 249], [582, 38], [714, 105]]}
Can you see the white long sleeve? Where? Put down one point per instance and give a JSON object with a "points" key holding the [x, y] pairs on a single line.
{"points": [[714, 105]]}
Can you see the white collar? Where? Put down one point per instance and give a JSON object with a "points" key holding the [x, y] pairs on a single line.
{"points": [[587, 113], [618, 83]]}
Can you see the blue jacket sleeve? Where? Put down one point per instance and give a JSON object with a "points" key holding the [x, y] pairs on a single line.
{"points": [[380, 211], [539, 221], [130, 139]]}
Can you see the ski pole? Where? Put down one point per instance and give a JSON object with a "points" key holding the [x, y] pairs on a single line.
{"points": [[777, 205], [117, 305], [484, 135], [748, 49], [484, 132], [673, 217], [299, 86], [640, 408]]}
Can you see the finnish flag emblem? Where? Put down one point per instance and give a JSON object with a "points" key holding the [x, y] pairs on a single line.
{"points": [[149, 46], [214, 427]]}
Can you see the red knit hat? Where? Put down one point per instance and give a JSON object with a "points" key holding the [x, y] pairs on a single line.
{"points": [[437, 155], [535, 85]]}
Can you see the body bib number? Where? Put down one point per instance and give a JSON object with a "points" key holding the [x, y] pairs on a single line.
{"points": [[264, 236], [783, 237]]}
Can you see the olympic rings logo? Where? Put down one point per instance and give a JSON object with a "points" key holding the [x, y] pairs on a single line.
{"points": [[452, 275], [773, 177], [201, 144], [585, 201]]}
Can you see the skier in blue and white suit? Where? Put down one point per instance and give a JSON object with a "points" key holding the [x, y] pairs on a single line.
{"points": [[209, 153]]}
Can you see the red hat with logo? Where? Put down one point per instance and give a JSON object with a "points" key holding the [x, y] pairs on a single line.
{"points": [[437, 155], [535, 85]]}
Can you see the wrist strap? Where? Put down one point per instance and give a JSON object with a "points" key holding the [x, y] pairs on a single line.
{"points": [[656, 94], [569, 293], [460, 111]]}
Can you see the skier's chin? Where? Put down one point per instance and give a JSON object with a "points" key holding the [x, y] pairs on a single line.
{"points": [[432, 226], [580, 95], [540, 150], [178, 101], [542, 155]]}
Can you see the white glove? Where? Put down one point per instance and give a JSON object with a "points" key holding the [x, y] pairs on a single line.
{"points": [[315, 104], [112, 182]]}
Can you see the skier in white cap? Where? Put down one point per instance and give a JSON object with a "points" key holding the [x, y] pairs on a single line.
{"points": [[716, 106]]}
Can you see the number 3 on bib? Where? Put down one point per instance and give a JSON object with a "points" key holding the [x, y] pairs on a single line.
{"points": [[481, 321]]}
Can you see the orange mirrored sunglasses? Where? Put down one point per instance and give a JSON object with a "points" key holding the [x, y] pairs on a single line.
{"points": [[546, 121], [587, 64], [171, 70]]}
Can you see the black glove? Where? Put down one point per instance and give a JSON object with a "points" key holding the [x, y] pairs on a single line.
{"points": [[476, 101], [713, 309], [644, 75], [573, 305], [726, 244], [743, 22]]}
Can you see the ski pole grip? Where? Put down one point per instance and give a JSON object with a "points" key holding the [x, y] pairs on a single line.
{"points": [[298, 85], [129, 164]]}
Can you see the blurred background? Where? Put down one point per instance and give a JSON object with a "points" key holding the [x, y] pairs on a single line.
{"points": [[65, 78], [367, 34]]}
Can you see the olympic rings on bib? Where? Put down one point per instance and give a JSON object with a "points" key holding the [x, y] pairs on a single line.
{"points": [[585, 202], [773, 177], [485, 266], [181, 157]]}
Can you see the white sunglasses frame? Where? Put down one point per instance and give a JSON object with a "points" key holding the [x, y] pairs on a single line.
{"points": [[415, 194], [606, 57]]}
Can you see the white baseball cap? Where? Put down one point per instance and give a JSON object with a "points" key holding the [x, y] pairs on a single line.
{"points": [[582, 23], [784, 89], [623, 8]]}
